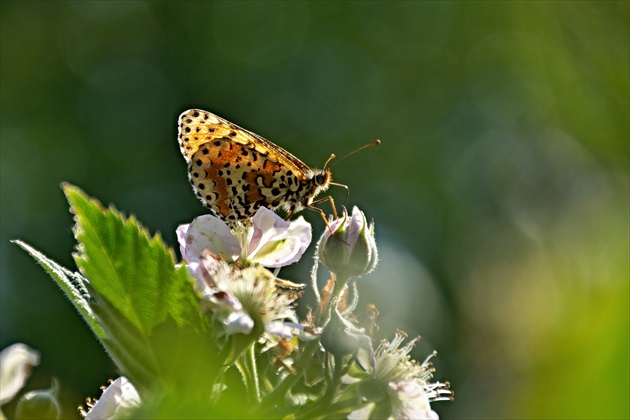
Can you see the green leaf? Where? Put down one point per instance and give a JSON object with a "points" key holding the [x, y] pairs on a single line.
{"points": [[174, 358], [73, 284], [148, 309], [130, 350], [133, 271]]}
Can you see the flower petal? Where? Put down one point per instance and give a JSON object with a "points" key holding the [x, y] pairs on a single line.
{"points": [[181, 238], [208, 232], [268, 226], [116, 401], [301, 230], [284, 330], [15, 368], [410, 401], [357, 221], [276, 242], [221, 302], [238, 323]]}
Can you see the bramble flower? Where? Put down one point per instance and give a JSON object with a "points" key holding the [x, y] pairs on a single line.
{"points": [[350, 250], [245, 297], [409, 400], [118, 400], [399, 387], [267, 239]]}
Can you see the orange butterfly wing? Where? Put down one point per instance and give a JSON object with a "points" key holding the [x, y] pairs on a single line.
{"points": [[234, 171]]}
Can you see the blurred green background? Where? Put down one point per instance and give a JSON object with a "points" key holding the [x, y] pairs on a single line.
{"points": [[500, 192]]}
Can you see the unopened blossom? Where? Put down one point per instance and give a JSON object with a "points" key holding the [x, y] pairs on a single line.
{"points": [[348, 248], [40, 403], [266, 239]]}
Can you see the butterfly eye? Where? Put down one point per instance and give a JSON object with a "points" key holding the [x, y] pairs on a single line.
{"points": [[320, 178]]}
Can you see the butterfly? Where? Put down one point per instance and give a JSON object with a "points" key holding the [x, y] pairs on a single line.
{"points": [[234, 171]]}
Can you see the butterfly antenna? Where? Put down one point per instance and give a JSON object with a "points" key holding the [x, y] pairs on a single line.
{"points": [[374, 143], [332, 156]]}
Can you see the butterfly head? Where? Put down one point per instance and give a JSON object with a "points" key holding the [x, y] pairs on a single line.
{"points": [[322, 177], [321, 180]]}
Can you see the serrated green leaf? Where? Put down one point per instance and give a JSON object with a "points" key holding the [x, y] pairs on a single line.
{"points": [[148, 308], [133, 271], [74, 285]]}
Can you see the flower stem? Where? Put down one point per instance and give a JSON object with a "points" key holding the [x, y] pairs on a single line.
{"points": [[246, 365], [325, 315], [250, 360]]}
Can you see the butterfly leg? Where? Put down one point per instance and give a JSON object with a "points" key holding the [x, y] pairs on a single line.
{"points": [[347, 191], [321, 213], [332, 204]]}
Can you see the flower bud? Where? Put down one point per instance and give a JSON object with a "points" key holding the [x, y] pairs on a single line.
{"points": [[350, 251], [336, 338], [39, 404]]}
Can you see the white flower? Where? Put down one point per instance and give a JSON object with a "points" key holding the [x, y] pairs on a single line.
{"points": [[267, 239], [409, 400], [255, 289], [16, 362], [243, 297], [118, 400], [409, 391]]}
